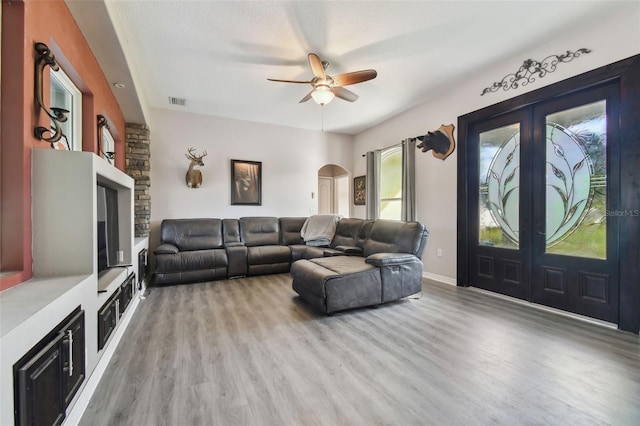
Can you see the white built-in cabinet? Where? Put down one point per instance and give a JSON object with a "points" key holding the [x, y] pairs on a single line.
{"points": [[65, 268]]}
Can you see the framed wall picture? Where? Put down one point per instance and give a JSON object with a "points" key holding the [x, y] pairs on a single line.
{"points": [[359, 194], [246, 182]]}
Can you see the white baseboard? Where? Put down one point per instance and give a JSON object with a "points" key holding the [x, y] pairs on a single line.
{"points": [[440, 278], [81, 404], [545, 308]]}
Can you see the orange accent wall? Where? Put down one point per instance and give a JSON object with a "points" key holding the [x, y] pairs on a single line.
{"points": [[23, 24]]}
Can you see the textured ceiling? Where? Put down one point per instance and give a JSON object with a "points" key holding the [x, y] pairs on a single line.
{"points": [[218, 54]]}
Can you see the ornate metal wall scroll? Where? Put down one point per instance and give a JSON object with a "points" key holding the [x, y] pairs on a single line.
{"points": [[531, 69]]}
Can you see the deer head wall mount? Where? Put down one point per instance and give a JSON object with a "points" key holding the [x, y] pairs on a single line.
{"points": [[194, 176]]}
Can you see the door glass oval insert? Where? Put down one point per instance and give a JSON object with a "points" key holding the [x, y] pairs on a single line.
{"points": [[499, 197], [576, 181]]}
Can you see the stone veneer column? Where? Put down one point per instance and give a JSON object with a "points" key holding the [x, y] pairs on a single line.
{"points": [[138, 166]]}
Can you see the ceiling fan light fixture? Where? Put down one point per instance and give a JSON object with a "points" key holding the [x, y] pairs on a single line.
{"points": [[326, 87], [322, 94]]}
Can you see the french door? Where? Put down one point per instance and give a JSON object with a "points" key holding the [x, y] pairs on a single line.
{"points": [[543, 183]]}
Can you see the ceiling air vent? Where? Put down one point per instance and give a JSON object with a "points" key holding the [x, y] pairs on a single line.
{"points": [[177, 101]]}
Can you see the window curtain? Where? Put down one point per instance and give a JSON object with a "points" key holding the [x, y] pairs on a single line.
{"points": [[408, 179], [372, 184]]}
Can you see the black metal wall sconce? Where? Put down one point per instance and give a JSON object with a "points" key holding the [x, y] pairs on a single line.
{"points": [[102, 124], [57, 115]]}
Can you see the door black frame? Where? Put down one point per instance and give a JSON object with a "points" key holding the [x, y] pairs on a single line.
{"points": [[520, 258], [626, 74]]}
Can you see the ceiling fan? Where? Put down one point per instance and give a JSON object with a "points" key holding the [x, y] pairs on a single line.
{"points": [[325, 87]]}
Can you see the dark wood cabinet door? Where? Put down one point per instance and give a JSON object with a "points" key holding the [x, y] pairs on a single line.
{"points": [[107, 318], [41, 401], [50, 374], [126, 293], [73, 356]]}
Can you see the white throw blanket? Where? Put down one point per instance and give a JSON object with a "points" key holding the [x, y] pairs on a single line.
{"points": [[318, 230]]}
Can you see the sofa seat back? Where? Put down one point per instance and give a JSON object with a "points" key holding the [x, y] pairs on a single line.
{"points": [[347, 232], [391, 236], [192, 234], [290, 230], [265, 254], [260, 231], [231, 232], [192, 250]]}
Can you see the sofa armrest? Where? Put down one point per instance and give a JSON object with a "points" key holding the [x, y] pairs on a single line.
{"points": [[235, 244], [166, 249], [328, 252], [389, 259], [350, 250], [236, 259]]}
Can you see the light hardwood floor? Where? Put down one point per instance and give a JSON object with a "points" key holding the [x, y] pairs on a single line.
{"points": [[249, 352]]}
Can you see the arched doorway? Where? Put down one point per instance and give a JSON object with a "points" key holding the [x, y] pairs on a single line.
{"points": [[333, 190]]}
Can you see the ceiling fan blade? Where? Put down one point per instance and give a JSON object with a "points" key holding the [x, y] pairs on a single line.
{"points": [[290, 81], [316, 66], [354, 77], [345, 94], [306, 98]]}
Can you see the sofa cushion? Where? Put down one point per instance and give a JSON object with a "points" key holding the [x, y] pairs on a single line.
{"points": [[337, 283], [192, 234], [191, 261], [290, 230], [342, 265], [263, 255], [347, 232], [260, 231]]}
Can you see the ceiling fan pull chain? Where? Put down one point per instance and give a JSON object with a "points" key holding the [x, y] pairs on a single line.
{"points": [[322, 109]]}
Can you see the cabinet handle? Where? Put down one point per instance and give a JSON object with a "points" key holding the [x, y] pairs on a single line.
{"points": [[70, 337], [117, 310]]}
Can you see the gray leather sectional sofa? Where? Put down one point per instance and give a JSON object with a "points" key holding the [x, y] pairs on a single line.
{"points": [[385, 265], [368, 262]]}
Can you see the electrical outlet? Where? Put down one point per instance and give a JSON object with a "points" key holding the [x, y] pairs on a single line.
{"points": [[439, 252], [120, 256]]}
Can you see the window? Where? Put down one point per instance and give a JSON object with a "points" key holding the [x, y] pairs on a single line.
{"points": [[391, 183], [64, 94]]}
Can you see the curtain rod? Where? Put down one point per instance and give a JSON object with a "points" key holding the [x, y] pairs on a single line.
{"points": [[391, 146]]}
